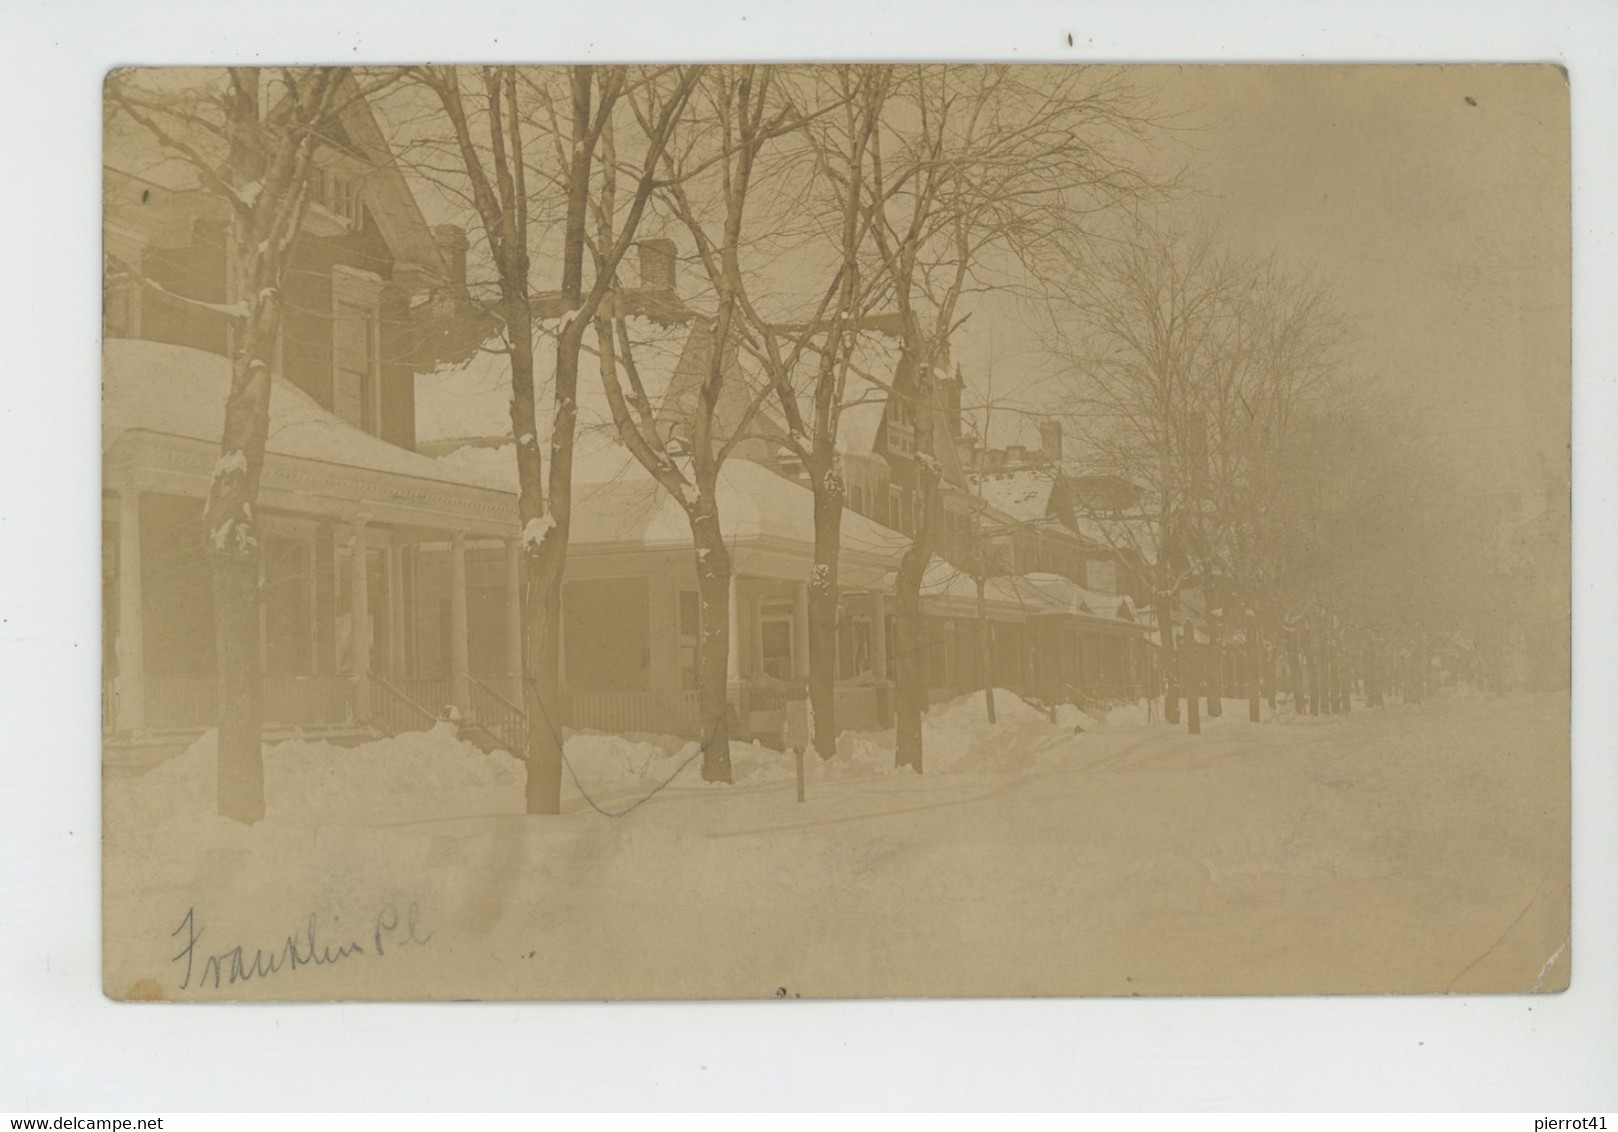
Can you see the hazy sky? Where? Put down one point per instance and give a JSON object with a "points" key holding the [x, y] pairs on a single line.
{"points": [[1435, 202]]}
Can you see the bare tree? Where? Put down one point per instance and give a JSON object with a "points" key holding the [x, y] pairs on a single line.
{"points": [[973, 170], [836, 112], [497, 169], [707, 183], [1154, 319], [252, 145]]}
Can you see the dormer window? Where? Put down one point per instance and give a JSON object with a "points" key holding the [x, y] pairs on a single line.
{"points": [[356, 348], [337, 195], [901, 429]]}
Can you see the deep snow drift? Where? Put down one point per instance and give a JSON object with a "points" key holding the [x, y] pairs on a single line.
{"points": [[1419, 848]]}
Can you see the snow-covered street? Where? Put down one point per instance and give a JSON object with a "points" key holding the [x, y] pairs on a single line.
{"points": [[1414, 849]]}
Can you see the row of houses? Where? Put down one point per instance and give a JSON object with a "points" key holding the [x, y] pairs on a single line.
{"points": [[391, 556]]}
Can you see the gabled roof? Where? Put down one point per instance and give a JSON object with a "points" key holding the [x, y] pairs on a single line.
{"points": [[949, 591], [755, 504], [745, 402], [1131, 534], [151, 187], [1069, 597]]}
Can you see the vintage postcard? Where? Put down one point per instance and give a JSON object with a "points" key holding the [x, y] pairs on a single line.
{"points": [[688, 532]]}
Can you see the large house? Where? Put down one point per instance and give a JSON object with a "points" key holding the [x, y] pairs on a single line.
{"points": [[391, 565]]}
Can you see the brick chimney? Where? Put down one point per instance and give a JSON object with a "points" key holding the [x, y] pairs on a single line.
{"points": [[1050, 440], [657, 264]]}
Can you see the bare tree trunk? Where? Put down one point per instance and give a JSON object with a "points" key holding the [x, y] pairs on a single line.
{"points": [[1295, 674], [235, 548], [1373, 674], [1191, 665], [1171, 663], [236, 601], [544, 547], [1317, 681], [542, 692], [1345, 674], [713, 655], [544, 544], [1214, 671], [1255, 660], [823, 586], [909, 679], [985, 653]]}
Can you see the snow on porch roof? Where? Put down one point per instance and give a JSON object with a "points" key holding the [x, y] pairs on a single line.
{"points": [[754, 504], [181, 391], [1070, 597]]}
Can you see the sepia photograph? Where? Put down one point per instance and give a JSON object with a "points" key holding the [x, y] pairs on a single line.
{"points": [[839, 530]]}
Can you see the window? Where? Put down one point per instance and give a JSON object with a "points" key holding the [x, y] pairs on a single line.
{"points": [[853, 646], [356, 373], [775, 639], [901, 429], [337, 194]]}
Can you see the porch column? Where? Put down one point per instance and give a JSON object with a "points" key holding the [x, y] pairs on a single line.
{"points": [[359, 620], [460, 686], [879, 635], [395, 562], [561, 637], [733, 655], [800, 631], [514, 657], [879, 657], [311, 566], [263, 608], [131, 687]]}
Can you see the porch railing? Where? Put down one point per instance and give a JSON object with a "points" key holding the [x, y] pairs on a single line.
{"points": [[394, 711], [498, 716], [308, 701], [665, 712], [430, 692], [181, 703]]}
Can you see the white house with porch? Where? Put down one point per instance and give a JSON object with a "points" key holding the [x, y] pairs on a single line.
{"points": [[387, 503]]}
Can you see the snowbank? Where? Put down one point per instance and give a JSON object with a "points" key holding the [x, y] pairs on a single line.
{"points": [[1385, 851], [414, 775]]}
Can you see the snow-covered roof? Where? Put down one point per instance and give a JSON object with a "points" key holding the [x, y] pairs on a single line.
{"points": [[1024, 494], [1126, 533], [180, 391], [754, 503], [944, 581], [1069, 597], [471, 400]]}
